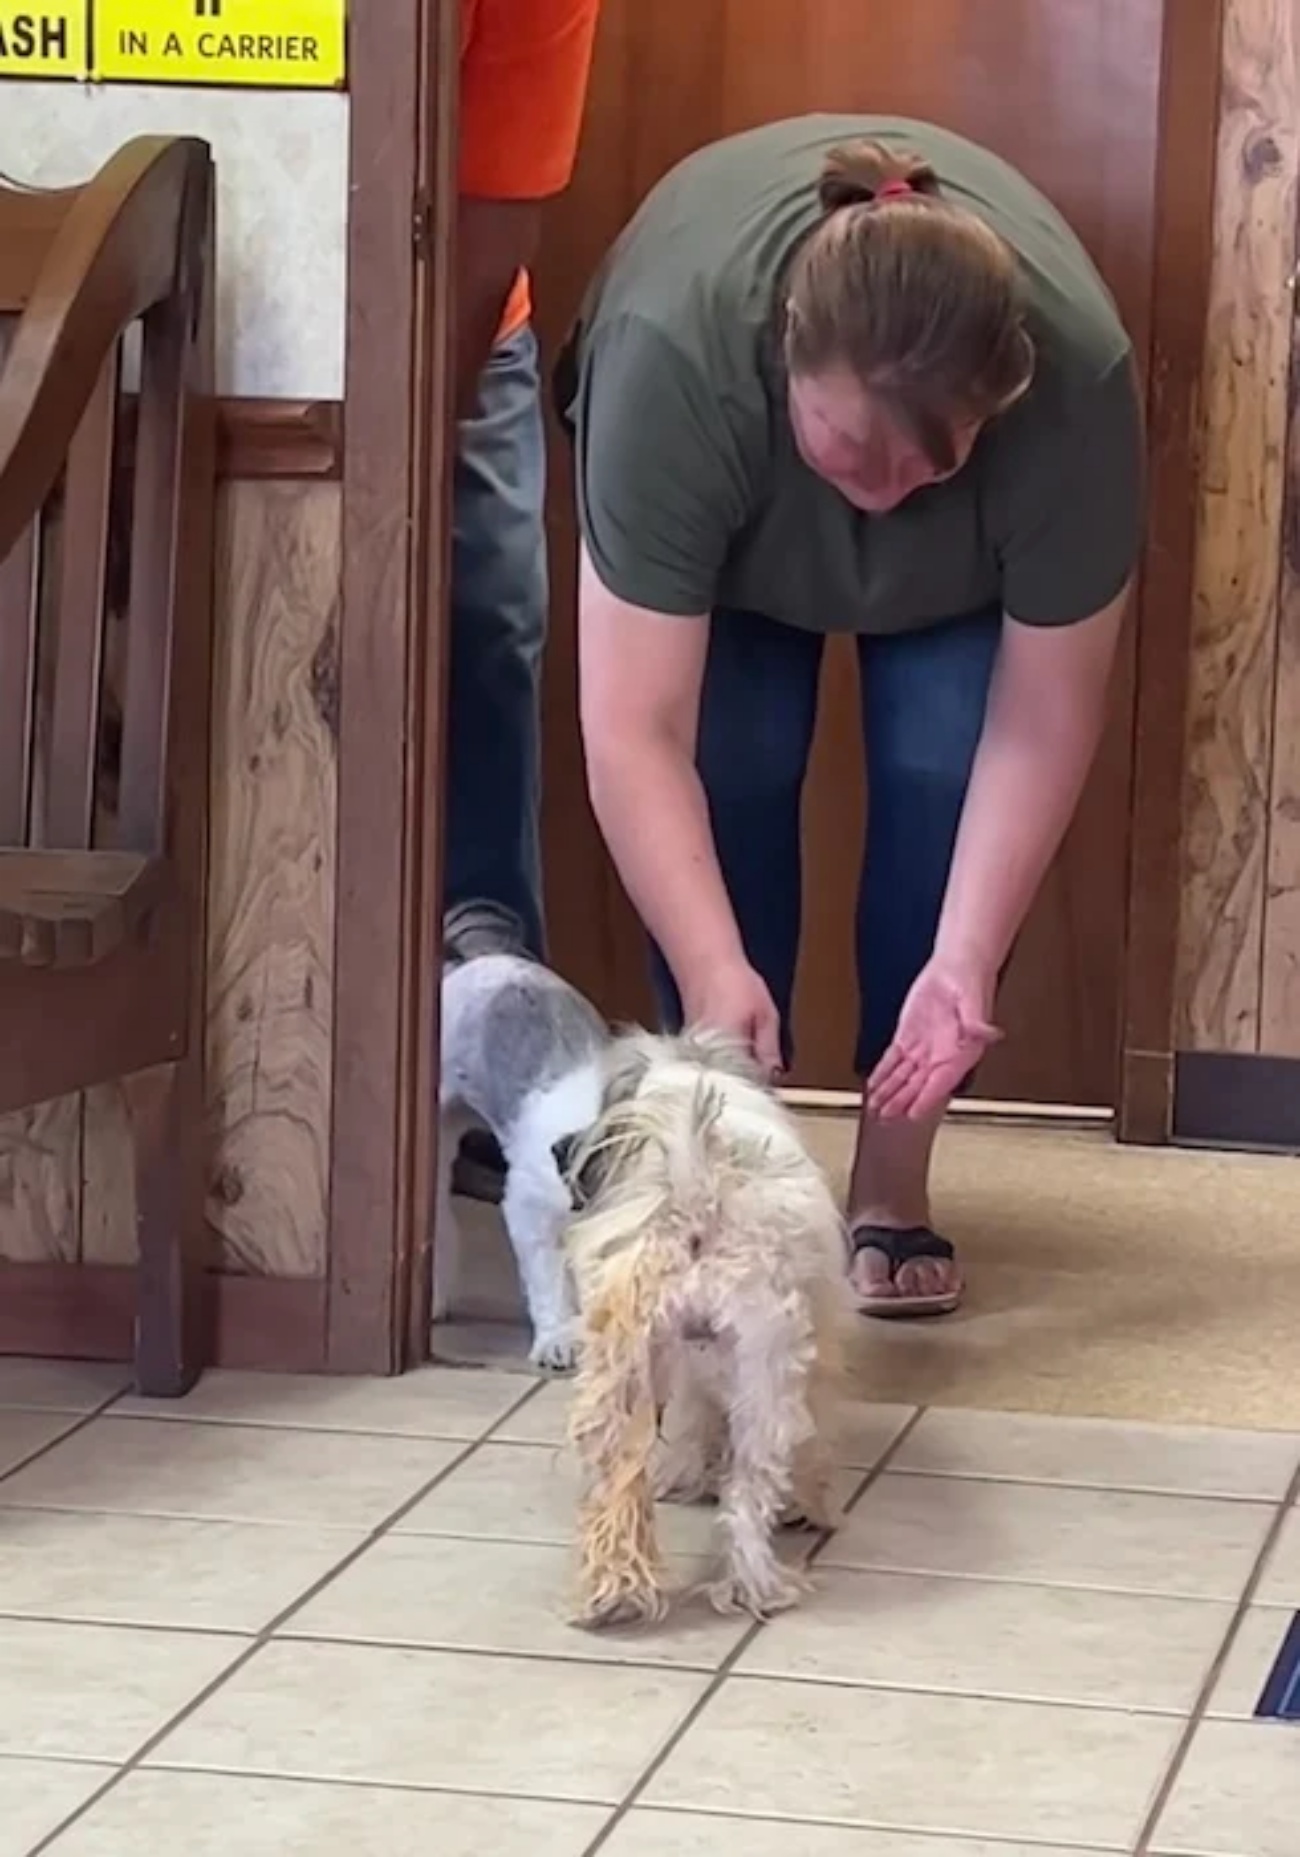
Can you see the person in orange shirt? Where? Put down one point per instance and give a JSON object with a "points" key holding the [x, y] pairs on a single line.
{"points": [[524, 66]]}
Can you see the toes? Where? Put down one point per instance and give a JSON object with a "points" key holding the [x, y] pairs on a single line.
{"points": [[927, 1276], [869, 1273]]}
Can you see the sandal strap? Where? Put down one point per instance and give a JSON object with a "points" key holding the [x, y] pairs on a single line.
{"points": [[900, 1247]]}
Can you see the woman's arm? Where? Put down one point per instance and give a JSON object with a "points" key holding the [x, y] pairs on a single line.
{"points": [[1046, 711], [640, 677]]}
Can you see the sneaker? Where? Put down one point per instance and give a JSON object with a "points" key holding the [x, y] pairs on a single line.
{"points": [[479, 1169]]}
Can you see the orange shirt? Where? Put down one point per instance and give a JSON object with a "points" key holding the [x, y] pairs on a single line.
{"points": [[523, 80]]}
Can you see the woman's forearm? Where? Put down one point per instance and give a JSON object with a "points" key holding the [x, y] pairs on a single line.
{"points": [[651, 809], [1030, 769]]}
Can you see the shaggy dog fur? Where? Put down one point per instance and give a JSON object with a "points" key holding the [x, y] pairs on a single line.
{"points": [[709, 1257]]}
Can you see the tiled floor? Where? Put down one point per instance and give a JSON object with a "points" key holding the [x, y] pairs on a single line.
{"points": [[299, 1616]]}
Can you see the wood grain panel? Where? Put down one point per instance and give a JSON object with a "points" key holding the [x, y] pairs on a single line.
{"points": [[1231, 720], [1279, 1017], [271, 884], [40, 1186], [108, 1228]]}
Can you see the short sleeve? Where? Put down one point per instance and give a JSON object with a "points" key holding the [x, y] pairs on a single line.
{"points": [[524, 66], [661, 484], [1070, 535]]}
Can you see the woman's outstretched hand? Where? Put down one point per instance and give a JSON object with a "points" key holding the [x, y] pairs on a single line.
{"points": [[943, 1031], [734, 999]]}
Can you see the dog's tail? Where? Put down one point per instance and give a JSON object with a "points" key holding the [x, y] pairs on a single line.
{"points": [[481, 927], [652, 1165]]}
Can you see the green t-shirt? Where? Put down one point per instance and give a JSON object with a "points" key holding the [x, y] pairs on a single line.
{"points": [[691, 493]]}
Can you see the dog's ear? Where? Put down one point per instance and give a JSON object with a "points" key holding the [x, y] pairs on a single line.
{"points": [[585, 1183]]}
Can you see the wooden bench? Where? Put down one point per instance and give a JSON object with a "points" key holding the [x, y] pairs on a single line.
{"points": [[106, 564]]}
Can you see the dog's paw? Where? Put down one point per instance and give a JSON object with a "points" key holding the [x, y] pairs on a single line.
{"points": [[758, 1596], [814, 1509], [556, 1352], [619, 1605]]}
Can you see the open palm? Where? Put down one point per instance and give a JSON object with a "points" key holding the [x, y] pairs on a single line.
{"points": [[943, 1032]]}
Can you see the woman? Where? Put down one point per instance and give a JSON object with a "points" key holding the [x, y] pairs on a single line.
{"points": [[850, 374]]}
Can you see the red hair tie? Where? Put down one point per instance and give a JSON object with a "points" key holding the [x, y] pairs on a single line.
{"points": [[894, 190]]}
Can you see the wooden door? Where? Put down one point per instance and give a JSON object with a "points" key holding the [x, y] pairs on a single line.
{"points": [[1069, 91]]}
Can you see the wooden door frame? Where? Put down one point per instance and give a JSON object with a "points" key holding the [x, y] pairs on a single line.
{"points": [[393, 632], [397, 455], [1191, 79]]}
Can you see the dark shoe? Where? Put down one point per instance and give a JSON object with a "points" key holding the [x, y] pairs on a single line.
{"points": [[479, 1169]]}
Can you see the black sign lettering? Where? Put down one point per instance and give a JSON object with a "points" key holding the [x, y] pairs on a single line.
{"points": [[34, 35]]}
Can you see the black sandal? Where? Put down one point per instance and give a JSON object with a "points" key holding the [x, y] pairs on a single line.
{"points": [[900, 1247]]}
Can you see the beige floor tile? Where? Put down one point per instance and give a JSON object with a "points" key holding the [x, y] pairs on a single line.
{"points": [[1238, 1794], [232, 1472], [1249, 1663], [431, 1402], [982, 1638], [517, 1492], [98, 1691], [60, 1386], [151, 1570], [1181, 1547], [511, 1492], [1174, 1460], [1280, 1585], [23, 1433], [541, 1419], [157, 1812], [866, 1431], [920, 1763], [499, 1596], [650, 1833], [432, 1718], [37, 1795]]}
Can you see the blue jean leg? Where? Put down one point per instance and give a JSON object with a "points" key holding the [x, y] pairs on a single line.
{"points": [[924, 695], [757, 713], [498, 630]]}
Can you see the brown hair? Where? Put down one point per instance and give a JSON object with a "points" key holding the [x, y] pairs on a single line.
{"points": [[912, 293]]}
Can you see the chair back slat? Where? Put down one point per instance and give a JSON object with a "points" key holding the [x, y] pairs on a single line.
{"points": [[154, 541], [79, 619]]}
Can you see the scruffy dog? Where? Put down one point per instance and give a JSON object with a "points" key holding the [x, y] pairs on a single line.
{"points": [[522, 1055], [709, 1258]]}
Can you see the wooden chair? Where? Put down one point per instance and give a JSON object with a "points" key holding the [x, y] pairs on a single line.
{"points": [[106, 562]]}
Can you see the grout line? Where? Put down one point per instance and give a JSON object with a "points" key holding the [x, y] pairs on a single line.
{"points": [[80, 1421], [737, 1651], [262, 1639], [741, 1816], [1200, 1708]]}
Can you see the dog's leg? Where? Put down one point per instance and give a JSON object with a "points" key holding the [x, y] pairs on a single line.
{"points": [[612, 1426], [769, 1421], [536, 1208], [690, 1460], [813, 1500]]}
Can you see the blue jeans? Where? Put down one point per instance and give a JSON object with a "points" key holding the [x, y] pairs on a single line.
{"points": [[923, 700], [498, 630]]}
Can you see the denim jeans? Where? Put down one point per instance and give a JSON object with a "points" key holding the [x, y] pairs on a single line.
{"points": [[923, 700], [498, 630]]}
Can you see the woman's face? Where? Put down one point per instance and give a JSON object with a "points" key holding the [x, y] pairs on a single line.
{"points": [[855, 447]]}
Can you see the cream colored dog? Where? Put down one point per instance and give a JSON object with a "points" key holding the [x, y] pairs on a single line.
{"points": [[709, 1259]]}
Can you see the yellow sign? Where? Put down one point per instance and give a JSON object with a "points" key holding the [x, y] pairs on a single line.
{"points": [[286, 44], [43, 41]]}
